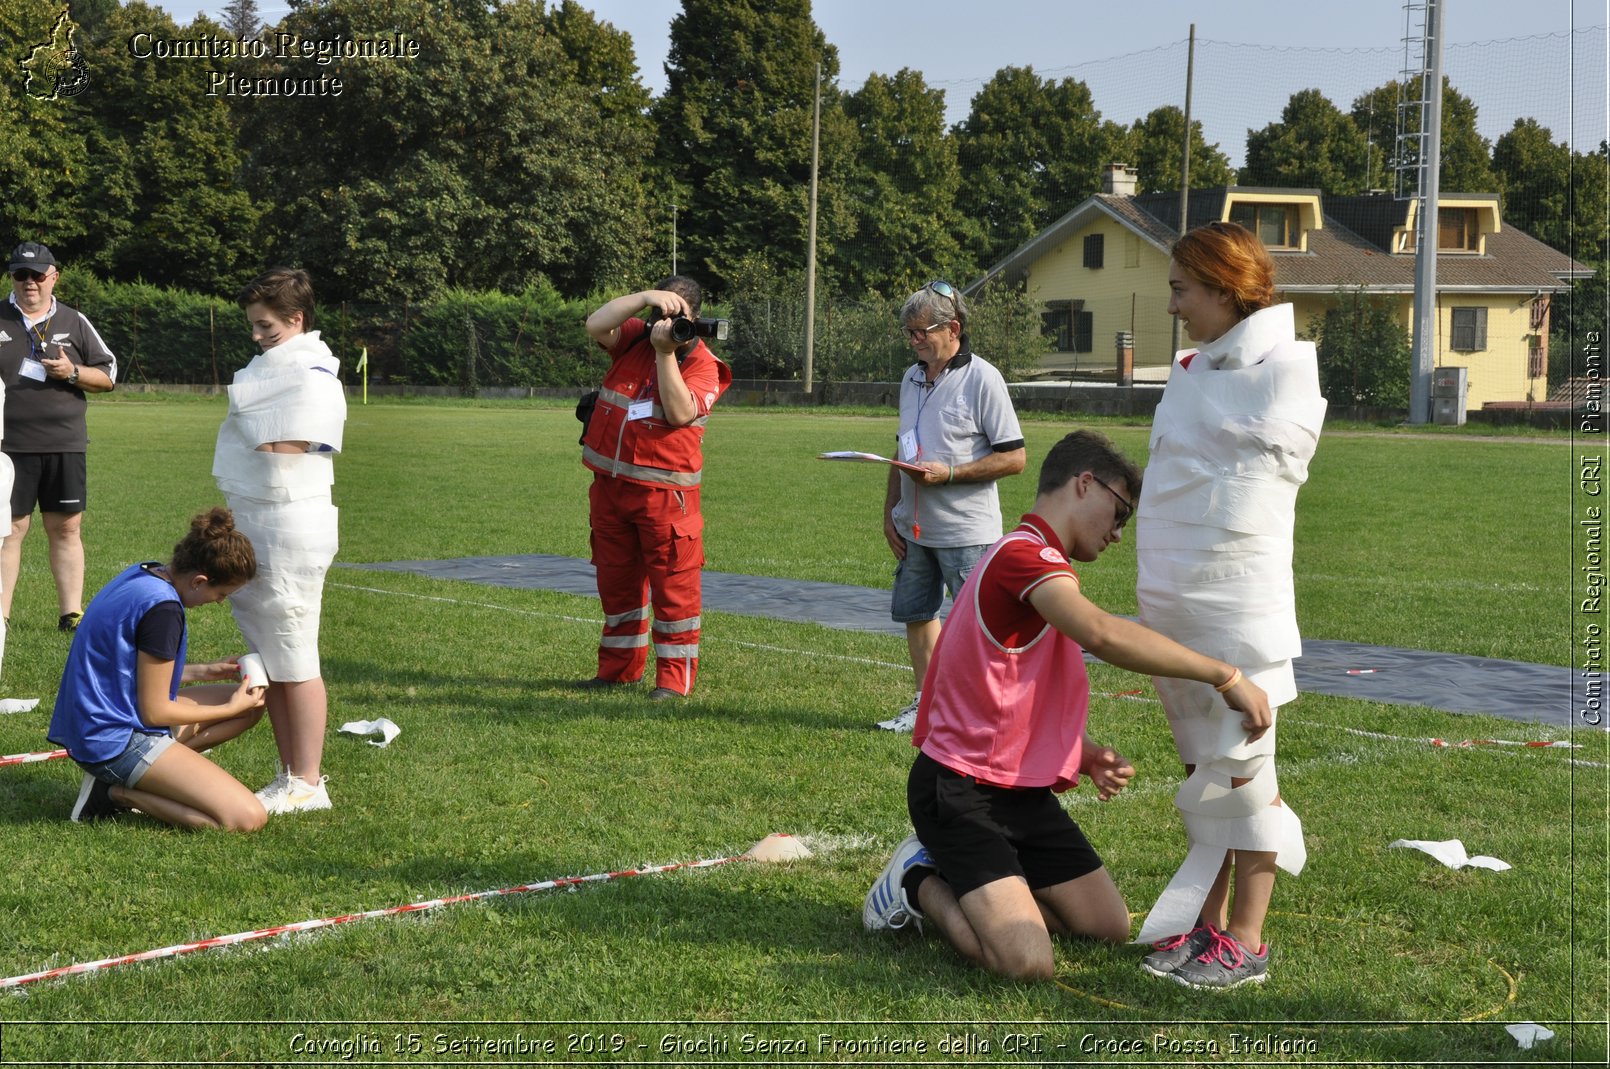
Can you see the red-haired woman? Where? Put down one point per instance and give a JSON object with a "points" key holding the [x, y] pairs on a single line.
{"points": [[1230, 447]]}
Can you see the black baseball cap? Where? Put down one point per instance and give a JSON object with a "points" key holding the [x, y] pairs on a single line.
{"points": [[33, 255]]}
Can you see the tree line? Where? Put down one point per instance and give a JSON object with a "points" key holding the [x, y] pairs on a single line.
{"points": [[520, 150]]}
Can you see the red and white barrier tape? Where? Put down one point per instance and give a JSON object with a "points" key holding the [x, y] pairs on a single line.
{"points": [[25, 758], [326, 922]]}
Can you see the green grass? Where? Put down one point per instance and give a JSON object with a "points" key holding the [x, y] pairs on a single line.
{"points": [[503, 776]]}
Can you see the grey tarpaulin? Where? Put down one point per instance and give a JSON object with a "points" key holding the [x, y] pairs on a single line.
{"points": [[1452, 682]]}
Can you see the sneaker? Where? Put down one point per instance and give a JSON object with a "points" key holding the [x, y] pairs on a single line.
{"points": [[661, 694], [905, 721], [69, 621], [94, 801], [1169, 954], [1223, 965], [886, 905], [303, 797], [272, 795]]}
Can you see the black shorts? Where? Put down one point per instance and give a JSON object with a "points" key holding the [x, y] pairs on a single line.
{"points": [[56, 482], [979, 834]]}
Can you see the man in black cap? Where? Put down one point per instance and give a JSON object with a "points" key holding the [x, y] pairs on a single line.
{"points": [[50, 357]]}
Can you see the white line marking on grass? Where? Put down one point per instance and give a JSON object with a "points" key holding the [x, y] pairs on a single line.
{"points": [[1480, 745], [596, 622]]}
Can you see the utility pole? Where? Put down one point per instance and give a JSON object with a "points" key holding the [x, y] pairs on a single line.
{"points": [[1185, 166], [810, 240], [1425, 248]]}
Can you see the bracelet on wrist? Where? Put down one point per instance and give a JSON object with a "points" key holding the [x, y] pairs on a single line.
{"points": [[1235, 677]]}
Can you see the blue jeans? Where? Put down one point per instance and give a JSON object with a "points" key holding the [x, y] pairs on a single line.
{"points": [[126, 769], [921, 579]]}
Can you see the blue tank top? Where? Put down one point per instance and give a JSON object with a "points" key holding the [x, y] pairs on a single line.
{"points": [[97, 706]]}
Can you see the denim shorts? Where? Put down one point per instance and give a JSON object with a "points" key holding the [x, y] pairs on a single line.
{"points": [[921, 579], [126, 768]]}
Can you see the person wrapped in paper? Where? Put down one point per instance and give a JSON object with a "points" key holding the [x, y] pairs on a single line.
{"points": [[1230, 446], [287, 408]]}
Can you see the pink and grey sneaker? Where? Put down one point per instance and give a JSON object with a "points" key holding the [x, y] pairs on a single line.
{"points": [[1223, 965], [1169, 954]]}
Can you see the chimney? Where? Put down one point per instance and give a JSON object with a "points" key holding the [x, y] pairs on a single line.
{"points": [[1119, 179]]}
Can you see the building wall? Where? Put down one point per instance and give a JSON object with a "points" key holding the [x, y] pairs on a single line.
{"points": [[1131, 287]]}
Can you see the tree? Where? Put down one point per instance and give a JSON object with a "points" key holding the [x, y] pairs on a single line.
{"points": [[1313, 146], [1534, 173], [1364, 352], [481, 162], [1031, 149], [603, 59], [163, 200], [1466, 156], [735, 132], [242, 21], [1155, 150], [43, 142], [903, 188]]}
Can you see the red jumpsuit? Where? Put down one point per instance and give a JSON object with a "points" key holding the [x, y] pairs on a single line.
{"points": [[647, 530]]}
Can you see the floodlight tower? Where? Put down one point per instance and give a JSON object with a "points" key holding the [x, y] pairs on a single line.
{"points": [[1418, 163]]}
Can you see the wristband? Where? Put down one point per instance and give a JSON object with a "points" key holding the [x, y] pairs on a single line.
{"points": [[1235, 677], [950, 474]]}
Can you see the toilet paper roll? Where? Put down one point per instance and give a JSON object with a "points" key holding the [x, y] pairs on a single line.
{"points": [[252, 671]]}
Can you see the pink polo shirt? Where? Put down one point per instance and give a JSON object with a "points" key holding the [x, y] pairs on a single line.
{"points": [[1006, 696]]}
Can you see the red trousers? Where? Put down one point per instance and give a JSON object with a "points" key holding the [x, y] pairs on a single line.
{"points": [[648, 547]]}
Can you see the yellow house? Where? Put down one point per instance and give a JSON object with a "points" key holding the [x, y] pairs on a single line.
{"points": [[1100, 274]]}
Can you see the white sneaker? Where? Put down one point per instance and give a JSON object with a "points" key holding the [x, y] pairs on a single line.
{"points": [[272, 795], [905, 720], [886, 906], [303, 797]]}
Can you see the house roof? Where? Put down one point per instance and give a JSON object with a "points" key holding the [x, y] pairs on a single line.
{"points": [[1351, 249]]}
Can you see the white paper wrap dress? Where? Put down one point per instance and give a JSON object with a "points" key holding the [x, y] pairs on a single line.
{"points": [[1230, 446], [281, 501]]}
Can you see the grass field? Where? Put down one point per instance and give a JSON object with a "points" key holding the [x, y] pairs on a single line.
{"points": [[503, 775]]}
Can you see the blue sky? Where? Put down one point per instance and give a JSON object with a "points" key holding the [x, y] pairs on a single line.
{"points": [[958, 45]]}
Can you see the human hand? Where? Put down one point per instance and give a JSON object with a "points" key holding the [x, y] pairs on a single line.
{"points": [[59, 366], [670, 303], [246, 698], [934, 473], [1249, 698], [1109, 772], [891, 534]]}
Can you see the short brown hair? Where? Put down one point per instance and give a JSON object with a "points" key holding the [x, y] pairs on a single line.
{"points": [[1084, 451], [1228, 257], [215, 549], [285, 290]]}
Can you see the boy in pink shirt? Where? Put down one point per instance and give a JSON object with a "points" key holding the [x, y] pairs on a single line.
{"points": [[996, 864]]}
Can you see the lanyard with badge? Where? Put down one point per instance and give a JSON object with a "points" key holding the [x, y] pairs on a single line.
{"points": [[32, 364], [911, 443]]}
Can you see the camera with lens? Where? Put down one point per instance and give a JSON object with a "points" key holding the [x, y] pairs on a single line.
{"points": [[684, 329]]}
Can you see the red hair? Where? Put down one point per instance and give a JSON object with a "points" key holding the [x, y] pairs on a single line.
{"points": [[1228, 257]]}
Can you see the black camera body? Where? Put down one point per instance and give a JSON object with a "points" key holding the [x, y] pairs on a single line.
{"points": [[684, 329]]}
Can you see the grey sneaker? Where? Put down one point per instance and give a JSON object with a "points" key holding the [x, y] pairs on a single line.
{"points": [[1169, 954], [886, 906], [1223, 965], [905, 721]]}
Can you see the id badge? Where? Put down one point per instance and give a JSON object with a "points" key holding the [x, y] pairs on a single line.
{"points": [[639, 410], [908, 445], [32, 369]]}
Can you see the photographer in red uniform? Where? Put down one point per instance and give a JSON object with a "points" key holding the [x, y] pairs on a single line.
{"points": [[644, 445]]}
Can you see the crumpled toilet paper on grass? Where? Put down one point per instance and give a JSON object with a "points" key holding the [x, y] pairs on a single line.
{"points": [[1451, 852], [382, 727]]}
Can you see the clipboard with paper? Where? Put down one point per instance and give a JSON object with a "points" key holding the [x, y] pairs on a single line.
{"points": [[870, 458]]}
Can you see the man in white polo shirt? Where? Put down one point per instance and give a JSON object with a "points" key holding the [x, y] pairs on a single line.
{"points": [[957, 423]]}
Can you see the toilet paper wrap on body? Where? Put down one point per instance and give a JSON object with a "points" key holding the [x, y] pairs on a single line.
{"points": [[281, 501], [1231, 442]]}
